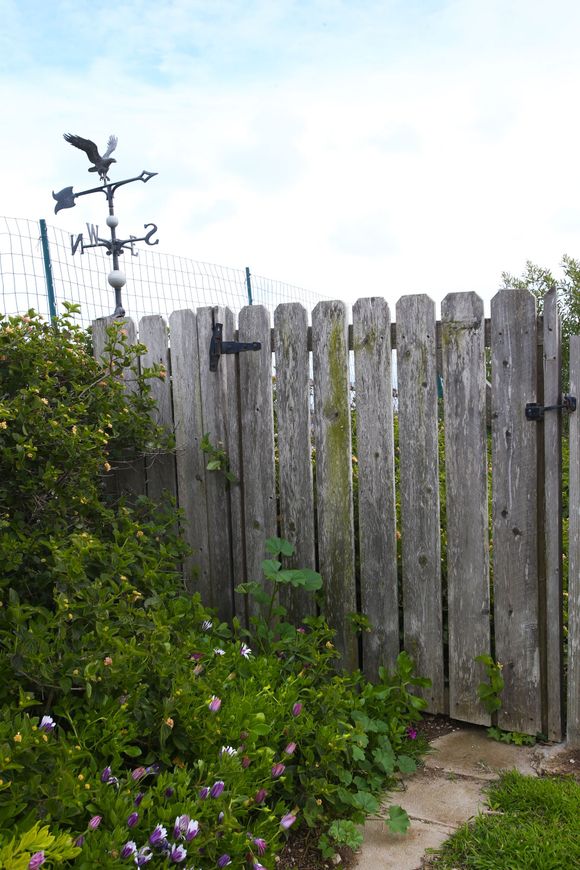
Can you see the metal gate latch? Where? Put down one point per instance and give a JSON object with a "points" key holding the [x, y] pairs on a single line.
{"points": [[217, 346], [536, 412]]}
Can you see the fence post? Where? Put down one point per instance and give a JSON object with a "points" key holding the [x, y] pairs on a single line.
{"points": [[249, 285], [47, 269], [551, 599], [573, 729]]}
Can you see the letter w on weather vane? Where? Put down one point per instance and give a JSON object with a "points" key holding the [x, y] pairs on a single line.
{"points": [[115, 247]]}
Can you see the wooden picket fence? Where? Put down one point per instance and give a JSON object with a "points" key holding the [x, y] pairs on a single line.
{"points": [[269, 426]]}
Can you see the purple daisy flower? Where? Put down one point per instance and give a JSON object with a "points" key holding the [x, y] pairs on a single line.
{"points": [[158, 836], [260, 845], [128, 849], [287, 821], [217, 788], [177, 853]]}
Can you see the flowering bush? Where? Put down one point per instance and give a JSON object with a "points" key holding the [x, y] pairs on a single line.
{"points": [[135, 728]]}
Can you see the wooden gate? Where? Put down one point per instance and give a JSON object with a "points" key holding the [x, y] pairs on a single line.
{"points": [[390, 500]]}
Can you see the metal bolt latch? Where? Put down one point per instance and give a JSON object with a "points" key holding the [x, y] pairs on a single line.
{"points": [[536, 412]]}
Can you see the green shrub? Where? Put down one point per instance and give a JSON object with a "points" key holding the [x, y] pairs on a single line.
{"points": [[124, 704]]}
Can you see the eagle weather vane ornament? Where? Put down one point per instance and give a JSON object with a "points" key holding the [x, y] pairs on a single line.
{"points": [[65, 198]]}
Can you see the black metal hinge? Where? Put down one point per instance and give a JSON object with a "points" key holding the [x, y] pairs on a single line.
{"points": [[536, 412], [217, 347]]}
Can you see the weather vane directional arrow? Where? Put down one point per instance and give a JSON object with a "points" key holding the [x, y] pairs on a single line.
{"points": [[66, 197]]}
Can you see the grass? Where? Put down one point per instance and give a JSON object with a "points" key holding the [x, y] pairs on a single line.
{"points": [[534, 825]]}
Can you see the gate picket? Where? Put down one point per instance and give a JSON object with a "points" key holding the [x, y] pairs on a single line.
{"points": [[376, 482], [420, 530], [257, 430], [214, 401], [463, 355], [514, 508], [294, 448], [189, 459], [334, 472], [159, 467]]}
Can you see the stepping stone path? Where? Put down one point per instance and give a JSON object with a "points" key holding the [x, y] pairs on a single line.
{"points": [[446, 792]]}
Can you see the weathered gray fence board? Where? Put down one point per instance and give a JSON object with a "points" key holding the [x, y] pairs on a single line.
{"points": [[257, 430], [160, 466], [189, 459], [552, 605], [376, 482], [573, 733], [464, 398], [234, 449], [129, 473], [419, 472], [334, 471], [514, 508], [214, 401], [294, 447]]}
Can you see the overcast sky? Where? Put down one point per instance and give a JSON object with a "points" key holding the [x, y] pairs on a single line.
{"points": [[352, 147]]}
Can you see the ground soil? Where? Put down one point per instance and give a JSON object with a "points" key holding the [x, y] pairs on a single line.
{"points": [[565, 763]]}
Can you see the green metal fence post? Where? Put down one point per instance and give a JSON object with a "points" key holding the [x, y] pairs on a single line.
{"points": [[249, 285], [47, 269]]}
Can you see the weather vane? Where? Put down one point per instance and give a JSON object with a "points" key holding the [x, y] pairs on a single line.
{"points": [[65, 198]]}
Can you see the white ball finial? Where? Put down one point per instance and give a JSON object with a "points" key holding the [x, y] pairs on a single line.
{"points": [[112, 220], [117, 279]]}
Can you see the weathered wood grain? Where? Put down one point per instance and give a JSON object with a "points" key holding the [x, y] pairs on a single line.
{"points": [[189, 459], [551, 605], [294, 448], [464, 401], [128, 477], [334, 472], [214, 403], [514, 508], [257, 430], [573, 707], [376, 483], [419, 492], [236, 488], [160, 466]]}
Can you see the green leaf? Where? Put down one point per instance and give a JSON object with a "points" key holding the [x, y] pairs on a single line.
{"points": [[385, 758], [406, 764], [132, 751], [358, 753], [398, 821], [270, 567], [365, 801], [279, 545]]}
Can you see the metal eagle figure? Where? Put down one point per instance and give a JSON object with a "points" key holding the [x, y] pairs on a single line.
{"points": [[101, 164]]}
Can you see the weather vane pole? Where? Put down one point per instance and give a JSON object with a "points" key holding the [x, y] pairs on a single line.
{"points": [[65, 198]]}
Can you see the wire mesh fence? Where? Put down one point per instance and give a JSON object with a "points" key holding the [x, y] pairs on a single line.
{"points": [[157, 283]]}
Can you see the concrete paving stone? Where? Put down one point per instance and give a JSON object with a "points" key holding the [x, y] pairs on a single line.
{"points": [[383, 850], [441, 799], [470, 752]]}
